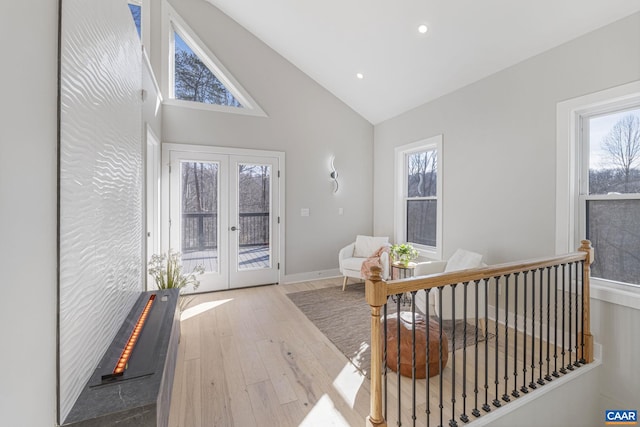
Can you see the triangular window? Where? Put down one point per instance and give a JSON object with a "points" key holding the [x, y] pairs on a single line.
{"points": [[136, 13], [194, 81], [195, 78]]}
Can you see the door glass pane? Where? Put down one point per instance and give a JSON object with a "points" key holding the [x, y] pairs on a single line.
{"points": [[254, 214], [199, 215]]}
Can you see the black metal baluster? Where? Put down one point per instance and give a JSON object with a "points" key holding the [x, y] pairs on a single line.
{"points": [[564, 308], [475, 411], [464, 417], [428, 390], [532, 384], [524, 388], [515, 393], [540, 361], [548, 376], [582, 359], [452, 421], [570, 365], [555, 324], [505, 396], [398, 379], [576, 362], [486, 406], [496, 381], [440, 376]]}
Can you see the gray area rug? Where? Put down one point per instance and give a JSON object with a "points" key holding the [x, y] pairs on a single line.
{"points": [[344, 317]]}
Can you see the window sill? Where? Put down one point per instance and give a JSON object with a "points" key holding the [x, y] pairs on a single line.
{"points": [[624, 295], [428, 254], [245, 111]]}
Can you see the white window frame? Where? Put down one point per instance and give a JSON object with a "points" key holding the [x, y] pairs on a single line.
{"points": [[570, 221], [401, 155], [173, 22]]}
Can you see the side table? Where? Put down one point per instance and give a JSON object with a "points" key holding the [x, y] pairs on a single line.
{"points": [[402, 271]]}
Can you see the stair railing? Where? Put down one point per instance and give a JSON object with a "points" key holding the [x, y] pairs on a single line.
{"points": [[550, 319]]}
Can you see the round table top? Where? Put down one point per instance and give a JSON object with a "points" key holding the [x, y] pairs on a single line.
{"points": [[410, 265]]}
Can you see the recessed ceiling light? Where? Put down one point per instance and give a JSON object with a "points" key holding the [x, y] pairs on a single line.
{"points": [[422, 29], [360, 76]]}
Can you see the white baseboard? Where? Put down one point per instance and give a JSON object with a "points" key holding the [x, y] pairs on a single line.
{"points": [[312, 275]]}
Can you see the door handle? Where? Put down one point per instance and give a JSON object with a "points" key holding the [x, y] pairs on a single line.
{"points": [[234, 228]]}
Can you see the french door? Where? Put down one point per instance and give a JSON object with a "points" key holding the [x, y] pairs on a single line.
{"points": [[224, 214]]}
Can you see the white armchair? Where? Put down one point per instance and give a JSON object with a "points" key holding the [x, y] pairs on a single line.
{"points": [[351, 257], [460, 260]]}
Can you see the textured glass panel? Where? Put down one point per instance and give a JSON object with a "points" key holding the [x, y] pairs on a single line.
{"points": [[613, 226], [422, 174], [194, 81], [199, 217], [254, 206], [422, 221], [614, 153]]}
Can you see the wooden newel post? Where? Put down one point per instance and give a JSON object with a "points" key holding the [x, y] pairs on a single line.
{"points": [[376, 295], [586, 295]]}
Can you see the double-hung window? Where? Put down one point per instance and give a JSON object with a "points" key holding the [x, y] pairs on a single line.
{"points": [[609, 193], [418, 204]]}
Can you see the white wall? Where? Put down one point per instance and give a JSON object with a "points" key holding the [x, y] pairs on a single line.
{"points": [[615, 327], [574, 403], [499, 171], [305, 121], [499, 144], [28, 83]]}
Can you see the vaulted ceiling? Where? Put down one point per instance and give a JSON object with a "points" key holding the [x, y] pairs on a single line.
{"points": [[334, 40]]}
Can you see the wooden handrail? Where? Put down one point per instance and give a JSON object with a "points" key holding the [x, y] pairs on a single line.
{"points": [[442, 279]]}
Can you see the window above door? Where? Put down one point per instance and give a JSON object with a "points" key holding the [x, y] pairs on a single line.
{"points": [[194, 77]]}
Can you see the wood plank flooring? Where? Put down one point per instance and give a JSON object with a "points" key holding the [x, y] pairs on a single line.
{"points": [[249, 357]]}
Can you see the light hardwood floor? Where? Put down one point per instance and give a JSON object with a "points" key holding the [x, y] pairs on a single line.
{"points": [[249, 357]]}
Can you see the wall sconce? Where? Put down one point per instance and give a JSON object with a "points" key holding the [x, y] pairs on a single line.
{"points": [[334, 176]]}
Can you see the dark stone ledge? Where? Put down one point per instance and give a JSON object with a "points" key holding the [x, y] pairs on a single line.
{"points": [[142, 396]]}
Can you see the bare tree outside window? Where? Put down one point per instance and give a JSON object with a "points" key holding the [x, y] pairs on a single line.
{"points": [[195, 82], [623, 145]]}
